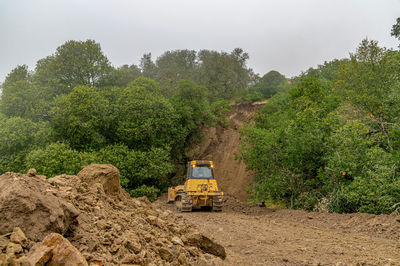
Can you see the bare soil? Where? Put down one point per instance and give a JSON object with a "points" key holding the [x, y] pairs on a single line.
{"points": [[253, 235]]}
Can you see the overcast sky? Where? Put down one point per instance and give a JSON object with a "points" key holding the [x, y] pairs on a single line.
{"points": [[286, 35]]}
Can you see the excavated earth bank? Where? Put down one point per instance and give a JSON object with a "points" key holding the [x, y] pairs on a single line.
{"points": [[222, 145]]}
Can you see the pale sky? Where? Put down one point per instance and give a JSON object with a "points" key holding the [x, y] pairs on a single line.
{"points": [[286, 35]]}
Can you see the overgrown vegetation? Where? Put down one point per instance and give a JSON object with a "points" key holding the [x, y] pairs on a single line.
{"points": [[75, 108], [333, 137]]}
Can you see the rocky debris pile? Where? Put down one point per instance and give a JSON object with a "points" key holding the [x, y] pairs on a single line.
{"points": [[13, 247], [101, 221], [27, 201]]}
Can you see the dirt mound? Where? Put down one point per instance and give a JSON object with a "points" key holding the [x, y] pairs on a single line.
{"points": [[114, 229], [222, 145], [26, 202], [105, 174]]}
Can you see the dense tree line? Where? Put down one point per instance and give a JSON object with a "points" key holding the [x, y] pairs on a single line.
{"points": [[75, 108], [332, 140]]}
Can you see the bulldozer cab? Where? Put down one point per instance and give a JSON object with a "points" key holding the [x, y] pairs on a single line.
{"points": [[200, 170]]}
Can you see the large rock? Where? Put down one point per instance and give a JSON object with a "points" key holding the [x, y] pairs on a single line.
{"points": [[105, 174], [55, 250], [206, 244], [18, 237], [28, 202]]}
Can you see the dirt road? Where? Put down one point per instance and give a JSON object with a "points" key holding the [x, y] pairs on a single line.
{"points": [[260, 236]]}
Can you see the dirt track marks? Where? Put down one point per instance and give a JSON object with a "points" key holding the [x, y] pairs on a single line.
{"points": [[260, 236]]}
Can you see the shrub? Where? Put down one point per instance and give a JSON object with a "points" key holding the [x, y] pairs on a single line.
{"points": [[55, 159], [136, 167], [220, 108], [18, 137], [252, 96], [150, 192]]}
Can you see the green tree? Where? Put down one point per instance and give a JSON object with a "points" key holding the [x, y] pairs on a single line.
{"points": [[172, 66], [333, 136], [20, 73], [146, 84], [75, 63], [148, 67], [24, 98], [18, 99], [396, 29], [223, 74], [286, 145], [78, 118], [150, 192], [270, 84], [17, 93], [367, 81], [121, 76], [145, 117], [193, 110]]}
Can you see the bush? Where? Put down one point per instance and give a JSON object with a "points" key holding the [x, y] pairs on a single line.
{"points": [[376, 188], [252, 96], [150, 192], [220, 108], [18, 137], [136, 167], [55, 159], [365, 195], [18, 134]]}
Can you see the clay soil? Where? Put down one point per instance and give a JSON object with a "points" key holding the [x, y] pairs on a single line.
{"points": [[260, 236], [254, 235]]}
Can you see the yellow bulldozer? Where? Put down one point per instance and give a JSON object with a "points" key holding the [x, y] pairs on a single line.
{"points": [[200, 189]]}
